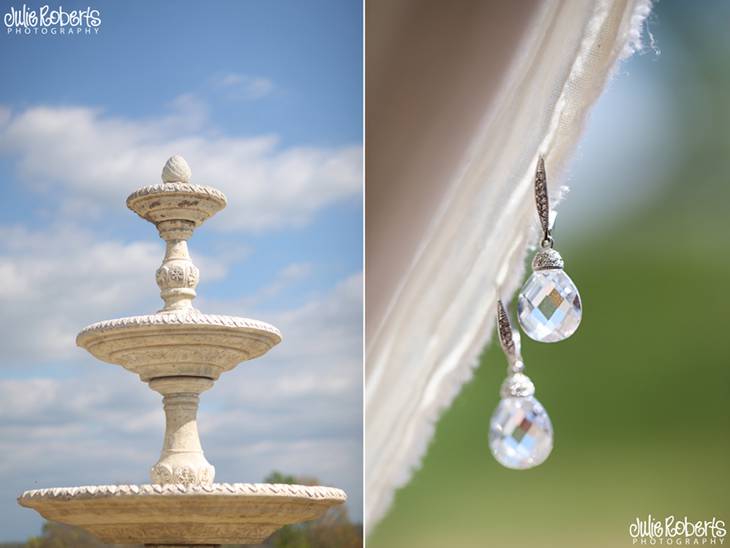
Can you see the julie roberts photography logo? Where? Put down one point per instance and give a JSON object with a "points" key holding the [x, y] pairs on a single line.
{"points": [[674, 531], [54, 21]]}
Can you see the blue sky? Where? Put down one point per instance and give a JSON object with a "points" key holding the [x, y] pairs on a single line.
{"points": [[264, 100]]}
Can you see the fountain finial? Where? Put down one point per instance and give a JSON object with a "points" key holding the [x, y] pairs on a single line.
{"points": [[176, 170]]}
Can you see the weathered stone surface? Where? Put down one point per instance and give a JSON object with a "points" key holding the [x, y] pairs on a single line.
{"points": [[178, 343], [176, 514]]}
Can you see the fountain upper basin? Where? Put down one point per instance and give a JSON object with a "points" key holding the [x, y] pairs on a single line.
{"points": [[176, 201]]}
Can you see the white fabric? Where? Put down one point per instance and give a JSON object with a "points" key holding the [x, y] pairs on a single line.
{"points": [[442, 314]]}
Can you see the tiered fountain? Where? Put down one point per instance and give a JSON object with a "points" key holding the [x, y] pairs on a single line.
{"points": [[180, 353]]}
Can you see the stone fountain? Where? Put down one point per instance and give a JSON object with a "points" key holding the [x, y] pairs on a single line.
{"points": [[180, 352]]}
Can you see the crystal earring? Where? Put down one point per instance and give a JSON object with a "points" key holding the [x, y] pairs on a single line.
{"points": [[520, 432], [549, 307]]}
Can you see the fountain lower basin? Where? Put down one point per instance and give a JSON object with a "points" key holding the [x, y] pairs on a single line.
{"points": [[221, 513]]}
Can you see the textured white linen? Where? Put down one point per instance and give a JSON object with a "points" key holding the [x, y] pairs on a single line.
{"points": [[424, 346]]}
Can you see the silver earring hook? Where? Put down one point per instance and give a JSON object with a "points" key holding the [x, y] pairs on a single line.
{"points": [[543, 203], [509, 339]]}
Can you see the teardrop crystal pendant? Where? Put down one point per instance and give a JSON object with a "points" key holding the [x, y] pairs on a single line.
{"points": [[549, 307], [520, 431]]}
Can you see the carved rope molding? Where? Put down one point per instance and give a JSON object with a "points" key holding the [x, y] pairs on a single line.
{"points": [[177, 319], [225, 489]]}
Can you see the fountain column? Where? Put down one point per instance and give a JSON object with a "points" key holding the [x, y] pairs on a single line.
{"points": [[182, 460]]}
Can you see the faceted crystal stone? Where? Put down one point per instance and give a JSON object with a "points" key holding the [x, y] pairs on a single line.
{"points": [[549, 306], [520, 433]]}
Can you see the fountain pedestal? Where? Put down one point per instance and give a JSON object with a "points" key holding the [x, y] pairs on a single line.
{"points": [[180, 353], [182, 459]]}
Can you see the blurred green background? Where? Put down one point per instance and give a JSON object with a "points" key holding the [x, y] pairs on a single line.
{"points": [[639, 397]]}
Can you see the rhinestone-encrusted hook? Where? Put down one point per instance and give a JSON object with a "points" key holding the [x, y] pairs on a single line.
{"points": [[542, 201], [520, 431], [509, 339], [549, 308]]}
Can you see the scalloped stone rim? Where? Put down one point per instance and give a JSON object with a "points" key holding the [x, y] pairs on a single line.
{"points": [[314, 492], [187, 319]]}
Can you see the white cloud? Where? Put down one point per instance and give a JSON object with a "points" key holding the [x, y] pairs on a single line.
{"points": [[99, 158], [4, 115], [287, 277], [242, 86], [320, 356]]}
